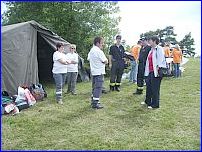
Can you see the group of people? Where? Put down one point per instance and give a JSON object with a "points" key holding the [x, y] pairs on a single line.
{"points": [[174, 53], [147, 66], [65, 68]]}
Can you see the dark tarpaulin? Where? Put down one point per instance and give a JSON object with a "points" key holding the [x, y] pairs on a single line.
{"points": [[19, 53]]}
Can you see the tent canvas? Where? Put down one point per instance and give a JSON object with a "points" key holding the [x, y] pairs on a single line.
{"points": [[27, 50]]}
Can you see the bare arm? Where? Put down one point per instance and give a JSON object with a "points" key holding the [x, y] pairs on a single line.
{"points": [[105, 62], [110, 61], [63, 61]]}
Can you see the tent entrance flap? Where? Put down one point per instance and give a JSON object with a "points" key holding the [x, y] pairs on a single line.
{"points": [[44, 57]]}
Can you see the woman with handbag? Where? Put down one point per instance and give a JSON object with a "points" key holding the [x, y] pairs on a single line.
{"points": [[154, 73]]}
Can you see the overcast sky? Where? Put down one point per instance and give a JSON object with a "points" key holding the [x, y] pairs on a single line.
{"points": [[142, 16]]}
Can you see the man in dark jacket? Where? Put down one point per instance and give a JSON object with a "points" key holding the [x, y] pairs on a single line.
{"points": [[116, 64], [141, 65]]}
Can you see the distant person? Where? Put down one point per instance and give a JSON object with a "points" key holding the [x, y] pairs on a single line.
{"points": [[177, 59], [167, 51], [167, 54], [116, 64], [72, 70], [153, 72], [141, 66], [134, 63], [59, 70], [97, 60]]}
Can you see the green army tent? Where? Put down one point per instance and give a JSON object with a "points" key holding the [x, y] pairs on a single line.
{"points": [[27, 50]]}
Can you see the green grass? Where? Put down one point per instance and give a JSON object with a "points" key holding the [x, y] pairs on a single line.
{"points": [[122, 124]]}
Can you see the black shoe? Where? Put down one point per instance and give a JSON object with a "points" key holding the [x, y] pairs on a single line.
{"points": [[99, 106], [67, 92], [117, 88], [138, 92], [96, 104], [111, 88], [104, 91], [74, 93]]}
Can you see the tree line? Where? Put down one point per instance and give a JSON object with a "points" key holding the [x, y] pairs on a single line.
{"points": [[76, 22], [168, 35], [80, 22]]}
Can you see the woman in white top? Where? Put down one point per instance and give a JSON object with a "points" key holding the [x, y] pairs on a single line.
{"points": [[72, 70], [153, 72], [59, 70]]}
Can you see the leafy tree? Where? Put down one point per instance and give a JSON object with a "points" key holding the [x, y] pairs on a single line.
{"points": [[165, 35], [169, 35], [77, 22], [187, 44]]}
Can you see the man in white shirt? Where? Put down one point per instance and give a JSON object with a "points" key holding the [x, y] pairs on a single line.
{"points": [[97, 60], [72, 70]]}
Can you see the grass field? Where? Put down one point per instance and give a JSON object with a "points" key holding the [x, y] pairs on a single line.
{"points": [[123, 124]]}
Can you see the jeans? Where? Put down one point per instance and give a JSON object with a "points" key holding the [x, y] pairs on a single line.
{"points": [[133, 72], [97, 85], [59, 82], [177, 69], [71, 81]]}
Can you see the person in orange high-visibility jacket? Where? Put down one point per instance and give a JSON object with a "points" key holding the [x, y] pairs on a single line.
{"points": [[177, 59], [167, 51], [167, 54], [134, 63]]}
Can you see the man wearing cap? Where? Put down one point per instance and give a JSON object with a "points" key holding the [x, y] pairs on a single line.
{"points": [[116, 64], [141, 65]]}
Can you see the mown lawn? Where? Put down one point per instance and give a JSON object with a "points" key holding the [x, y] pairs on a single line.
{"points": [[122, 124]]}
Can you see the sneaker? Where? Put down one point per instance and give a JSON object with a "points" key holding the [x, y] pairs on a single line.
{"points": [[143, 103], [60, 102], [138, 92], [67, 92], [149, 107], [98, 106], [74, 93]]}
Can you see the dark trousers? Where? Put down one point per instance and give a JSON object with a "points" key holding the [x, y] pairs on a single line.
{"points": [[116, 74], [153, 90], [97, 84], [140, 75]]}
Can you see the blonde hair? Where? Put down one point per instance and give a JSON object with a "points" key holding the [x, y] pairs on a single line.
{"points": [[177, 46], [73, 45]]}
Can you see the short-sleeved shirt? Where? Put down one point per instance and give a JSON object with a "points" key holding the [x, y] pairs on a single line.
{"points": [[96, 57], [117, 53], [57, 66], [177, 55], [72, 57]]}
